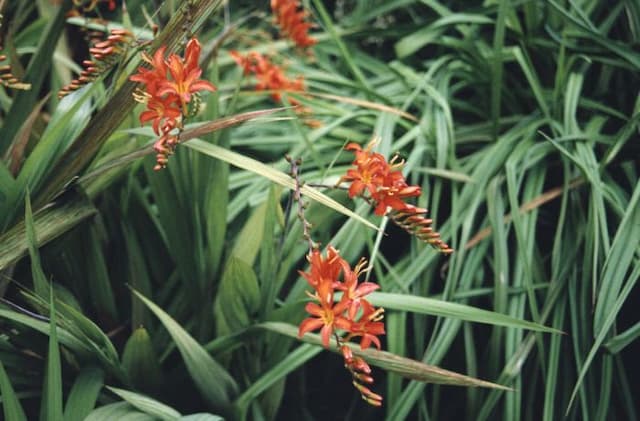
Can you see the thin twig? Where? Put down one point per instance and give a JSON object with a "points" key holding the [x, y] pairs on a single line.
{"points": [[297, 196]]}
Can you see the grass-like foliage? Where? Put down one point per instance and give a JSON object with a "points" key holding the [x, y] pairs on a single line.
{"points": [[208, 208]]}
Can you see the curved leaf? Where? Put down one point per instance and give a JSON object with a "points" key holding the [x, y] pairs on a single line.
{"points": [[147, 405], [405, 367], [213, 381], [119, 411], [441, 308], [10, 404]]}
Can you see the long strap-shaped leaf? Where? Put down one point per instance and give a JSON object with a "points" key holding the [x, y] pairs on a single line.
{"points": [[442, 308], [405, 367], [49, 223]]}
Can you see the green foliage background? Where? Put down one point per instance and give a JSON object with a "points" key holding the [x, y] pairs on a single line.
{"points": [[134, 294]]}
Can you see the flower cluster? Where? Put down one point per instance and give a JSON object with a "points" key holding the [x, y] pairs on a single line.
{"points": [[170, 85], [104, 55], [269, 76], [292, 22], [383, 184], [414, 221], [381, 180], [352, 313], [8, 79], [361, 374]]}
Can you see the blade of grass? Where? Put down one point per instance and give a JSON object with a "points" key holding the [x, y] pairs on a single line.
{"points": [[39, 279], [620, 341], [10, 404], [440, 308], [84, 394], [51, 405], [604, 330], [619, 261]]}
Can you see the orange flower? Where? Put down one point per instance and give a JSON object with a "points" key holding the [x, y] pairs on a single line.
{"points": [[354, 291], [383, 181], [185, 74], [369, 327], [154, 77], [292, 22], [325, 278], [269, 76], [325, 270], [169, 86], [327, 318], [164, 113]]}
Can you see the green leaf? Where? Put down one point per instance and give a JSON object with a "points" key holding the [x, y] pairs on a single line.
{"points": [[432, 33], [73, 320], [214, 383], [70, 116], [119, 411], [238, 297], [51, 406], [620, 341], [84, 394], [201, 417], [147, 405], [39, 279], [272, 174], [49, 223], [268, 260], [606, 325], [620, 260], [140, 361], [405, 367], [65, 338], [10, 404], [82, 328], [291, 362], [101, 291], [433, 307], [249, 239]]}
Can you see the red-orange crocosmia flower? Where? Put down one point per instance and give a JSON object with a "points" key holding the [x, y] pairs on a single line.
{"points": [[154, 77], [292, 22], [169, 86], [327, 316], [325, 269], [369, 172], [269, 76], [164, 113], [354, 291], [368, 326], [331, 273], [382, 180], [185, 75]]}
